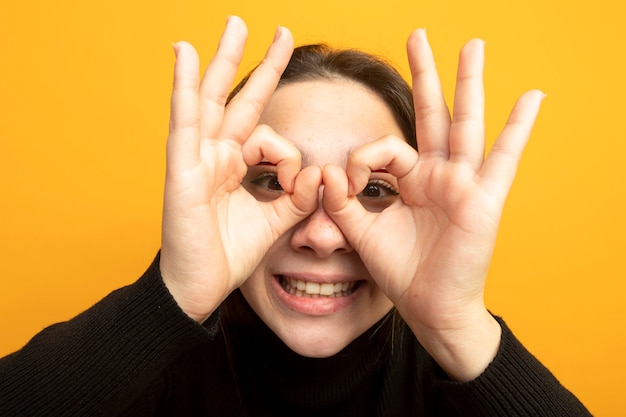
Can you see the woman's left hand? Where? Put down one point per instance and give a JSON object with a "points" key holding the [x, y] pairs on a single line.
{"points": [[430, 250]]}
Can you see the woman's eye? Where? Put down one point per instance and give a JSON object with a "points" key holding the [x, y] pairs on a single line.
{"points": [[268, 180], [262, 183], [378, 195], [378, 189]]}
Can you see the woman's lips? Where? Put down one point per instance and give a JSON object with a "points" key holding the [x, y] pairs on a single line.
{"points": [[315, 298], [312, 289]]}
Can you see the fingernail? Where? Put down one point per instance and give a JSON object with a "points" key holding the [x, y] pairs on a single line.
{"points": [[229, 21], [351, 192], [278, 33], [175, 47]]}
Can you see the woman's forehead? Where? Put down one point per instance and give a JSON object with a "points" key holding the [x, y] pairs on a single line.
{"points": [[327, 119]]}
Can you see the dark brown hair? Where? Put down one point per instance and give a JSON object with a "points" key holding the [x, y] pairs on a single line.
{"points": [[320, 61]]}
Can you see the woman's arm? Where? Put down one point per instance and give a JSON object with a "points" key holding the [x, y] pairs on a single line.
{"points": [[430, 251], [514, 384], [214, 234], [98, 362]]}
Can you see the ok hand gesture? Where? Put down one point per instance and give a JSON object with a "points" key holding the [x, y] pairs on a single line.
{"points": [[430, 250], [214, 231]]}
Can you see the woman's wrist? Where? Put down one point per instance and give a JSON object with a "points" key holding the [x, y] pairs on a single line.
{"points": [[465, 351], [198, 307]]}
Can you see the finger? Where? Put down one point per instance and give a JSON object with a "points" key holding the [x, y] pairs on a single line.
{"points": [[432, 118], [245, 109], [265, 143], [498, 171], [220, 75], [391, 153], [305, 195], [183, 144], [290, 209], [467, 131], [345, 210]]}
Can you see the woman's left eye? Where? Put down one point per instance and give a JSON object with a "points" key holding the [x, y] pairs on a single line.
{"points": [[378, 189], [377, 195]]}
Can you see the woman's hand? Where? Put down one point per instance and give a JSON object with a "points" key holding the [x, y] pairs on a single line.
{"points": [[430, 250], [214, 231]]}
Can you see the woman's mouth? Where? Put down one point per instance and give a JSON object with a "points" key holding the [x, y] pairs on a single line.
{"points": [[315, 298], [311, 289]]}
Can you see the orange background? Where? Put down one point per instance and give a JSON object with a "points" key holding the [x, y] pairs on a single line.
{"points": [[84, 96]]}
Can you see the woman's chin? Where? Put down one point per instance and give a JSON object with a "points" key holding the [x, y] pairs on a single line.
{"points": [[317, 322], [320, 342]]}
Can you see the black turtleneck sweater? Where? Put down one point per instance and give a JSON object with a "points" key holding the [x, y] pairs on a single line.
{"points": [[136, 353]]}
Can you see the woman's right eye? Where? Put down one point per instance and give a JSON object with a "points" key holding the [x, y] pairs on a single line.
{"points": [[264, 185], [269, 181]]}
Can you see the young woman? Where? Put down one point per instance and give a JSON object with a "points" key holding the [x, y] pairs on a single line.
{"points": [[313, 262]]}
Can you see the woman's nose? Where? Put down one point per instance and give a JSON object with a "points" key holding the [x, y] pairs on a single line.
{"points": [[318, 234]]}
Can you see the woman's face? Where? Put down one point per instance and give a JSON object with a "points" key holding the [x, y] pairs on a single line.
{"points": [[312, 288]]}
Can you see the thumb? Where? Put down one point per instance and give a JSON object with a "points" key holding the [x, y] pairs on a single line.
{"points": [[346, 210], [291, 208]]}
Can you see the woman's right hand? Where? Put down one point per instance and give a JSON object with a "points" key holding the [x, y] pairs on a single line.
{"points": [[214, 232]]}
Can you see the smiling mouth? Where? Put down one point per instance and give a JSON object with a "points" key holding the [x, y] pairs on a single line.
{"points": [[310, 289]]}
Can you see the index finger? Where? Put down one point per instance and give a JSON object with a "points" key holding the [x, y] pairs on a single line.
{"points": [[390, 152]]}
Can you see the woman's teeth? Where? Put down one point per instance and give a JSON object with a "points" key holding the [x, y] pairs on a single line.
{"points": [[314, 289]]}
